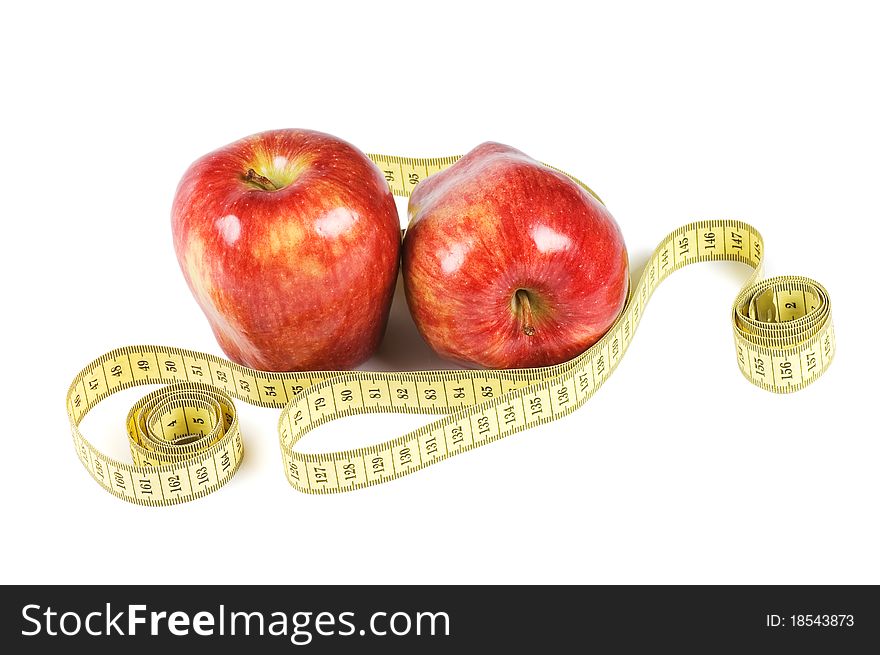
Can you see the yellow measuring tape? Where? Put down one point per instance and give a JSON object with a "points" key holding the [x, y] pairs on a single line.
{"points": [[186, 442]]}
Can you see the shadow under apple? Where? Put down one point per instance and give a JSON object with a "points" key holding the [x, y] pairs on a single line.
{"points": [[403, 348]]}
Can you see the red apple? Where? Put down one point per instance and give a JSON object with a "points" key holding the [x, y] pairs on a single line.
{"points": [[509, 264], [289, 241]]}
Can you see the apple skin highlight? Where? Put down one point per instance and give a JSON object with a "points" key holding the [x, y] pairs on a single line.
{"points": [[509, 264], [289, 240]]}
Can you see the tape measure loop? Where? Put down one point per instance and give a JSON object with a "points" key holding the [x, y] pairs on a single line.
{"points": [[783, 332]]}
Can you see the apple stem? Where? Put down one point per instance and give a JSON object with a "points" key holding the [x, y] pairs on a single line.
{"points": [[260, 180], [524, 312]]}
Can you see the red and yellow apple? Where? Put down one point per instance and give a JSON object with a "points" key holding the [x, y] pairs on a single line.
{"points": [[510, 264], [289, 241]]}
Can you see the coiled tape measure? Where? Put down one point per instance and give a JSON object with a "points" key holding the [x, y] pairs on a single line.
{"points": [[186, 442]]}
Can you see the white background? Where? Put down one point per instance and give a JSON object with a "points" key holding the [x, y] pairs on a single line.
{"points": [[673, 112]]}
